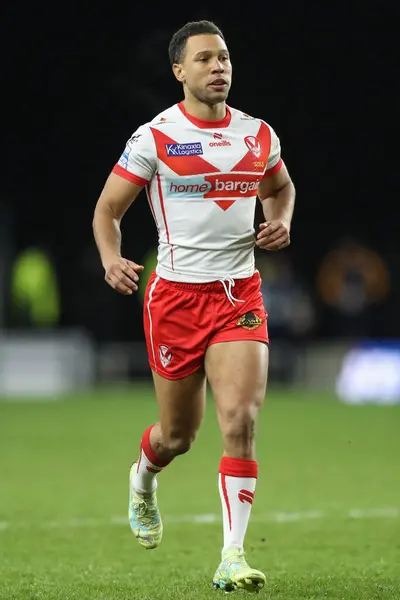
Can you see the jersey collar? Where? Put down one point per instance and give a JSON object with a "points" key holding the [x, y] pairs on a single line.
{"points": [[204, 124]]}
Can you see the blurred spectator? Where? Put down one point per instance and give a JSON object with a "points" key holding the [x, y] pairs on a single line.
{"points": [[35, 298], [90, 298], [291, 314], [352, 279]]}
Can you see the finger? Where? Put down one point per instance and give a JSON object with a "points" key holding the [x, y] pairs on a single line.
{"points": [[117, 275], [276, 244], [127, 281], [124, 289], [125, 286], [135, 266], [130, 272], [269, 228], [271, 236]]}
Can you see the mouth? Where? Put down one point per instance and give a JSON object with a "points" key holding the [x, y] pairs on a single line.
{"points": [[218, 83]]}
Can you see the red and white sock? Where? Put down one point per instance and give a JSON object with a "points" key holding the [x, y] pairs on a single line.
{"points": [[237, 484], [148, 467]]}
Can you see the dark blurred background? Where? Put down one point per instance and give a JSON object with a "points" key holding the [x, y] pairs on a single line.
{"points": [[79, 79]]}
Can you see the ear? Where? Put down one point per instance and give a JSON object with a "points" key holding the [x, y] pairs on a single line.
{"points": [[179, 73]]}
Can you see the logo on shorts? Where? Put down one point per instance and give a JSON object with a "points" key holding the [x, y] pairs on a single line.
{"points": [[165, 355], [190, 149], [249, 321]]}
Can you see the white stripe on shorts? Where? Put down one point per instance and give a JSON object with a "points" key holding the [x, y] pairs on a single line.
{"points": [[153, 287]]}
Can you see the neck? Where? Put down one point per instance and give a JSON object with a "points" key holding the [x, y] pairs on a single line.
{"points": [[206, 112]]}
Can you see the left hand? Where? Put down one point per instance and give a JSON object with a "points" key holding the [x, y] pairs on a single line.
{"points": [[273, 236]]}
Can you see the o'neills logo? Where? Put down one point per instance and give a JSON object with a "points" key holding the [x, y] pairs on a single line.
{"points": [[218, 136], [221, 143], [217, 186]]}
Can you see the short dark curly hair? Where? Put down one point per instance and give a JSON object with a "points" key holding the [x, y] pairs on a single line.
{"points": [[176, 48]]}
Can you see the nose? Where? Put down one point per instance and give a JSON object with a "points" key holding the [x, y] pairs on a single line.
{"points": [[217, 67]]}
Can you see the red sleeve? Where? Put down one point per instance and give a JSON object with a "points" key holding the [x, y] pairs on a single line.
{"points": [[273, 169], [118, 170]]}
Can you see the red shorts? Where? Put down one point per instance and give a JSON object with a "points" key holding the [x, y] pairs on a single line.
{"points": [[182, 319]]}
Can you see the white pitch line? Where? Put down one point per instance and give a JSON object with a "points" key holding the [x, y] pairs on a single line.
{"points": [[373, 513], [211, 518]]}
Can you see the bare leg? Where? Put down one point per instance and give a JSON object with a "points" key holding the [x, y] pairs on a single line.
{"points": [[237, 372], [181, 408]]}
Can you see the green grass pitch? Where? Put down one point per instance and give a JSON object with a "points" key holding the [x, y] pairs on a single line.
{"points": [[325, 521]]}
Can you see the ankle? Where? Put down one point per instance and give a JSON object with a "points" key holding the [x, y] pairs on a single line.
{"points": [[232, 550]]}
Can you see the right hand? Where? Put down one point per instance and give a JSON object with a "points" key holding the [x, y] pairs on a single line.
{"points": [[122, 275]]}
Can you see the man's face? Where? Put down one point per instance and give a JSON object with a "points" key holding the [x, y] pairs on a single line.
{"points": [[206, 69]]}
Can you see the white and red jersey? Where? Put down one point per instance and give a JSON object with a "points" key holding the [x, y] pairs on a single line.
{"points": [[201, 179]]}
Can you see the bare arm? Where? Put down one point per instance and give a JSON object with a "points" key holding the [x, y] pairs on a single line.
{"points": [[115, 199], [277, 195]]}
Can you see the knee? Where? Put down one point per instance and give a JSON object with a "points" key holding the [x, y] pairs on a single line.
{"points": [[239, 423], [177, 442]]}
